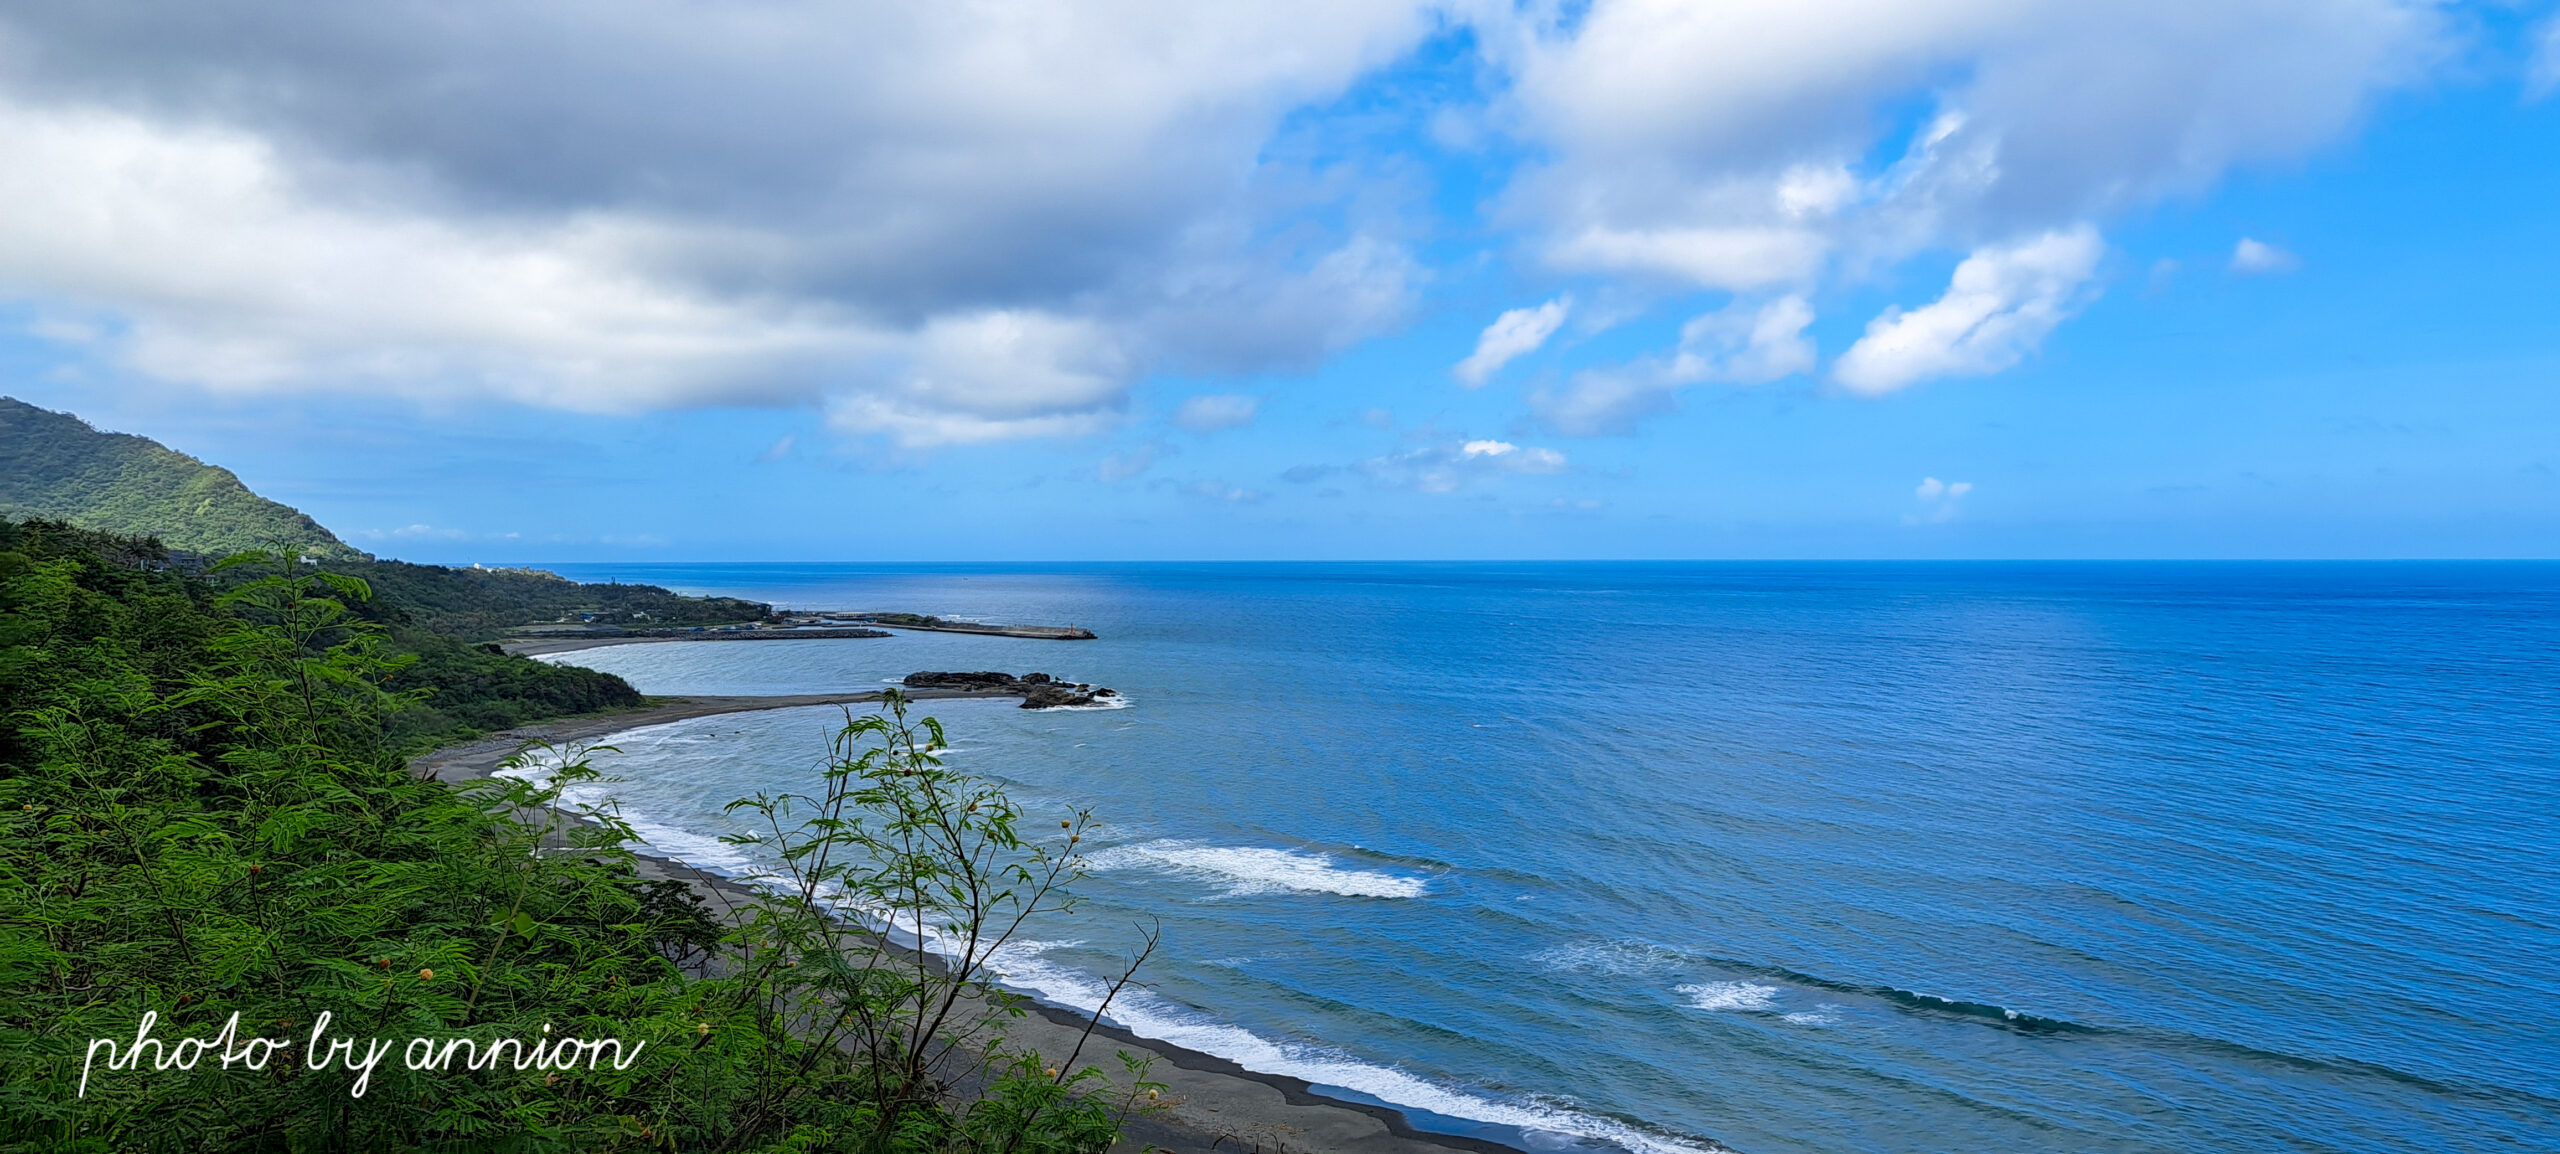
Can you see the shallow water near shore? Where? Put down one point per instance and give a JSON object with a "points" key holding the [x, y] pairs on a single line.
{"points": [[2097, 857]]}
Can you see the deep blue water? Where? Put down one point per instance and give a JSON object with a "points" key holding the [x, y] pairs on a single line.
{"points": [[2089, 857]]}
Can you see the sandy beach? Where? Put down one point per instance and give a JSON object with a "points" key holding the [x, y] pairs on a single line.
{"points": [[1215, 1103]]}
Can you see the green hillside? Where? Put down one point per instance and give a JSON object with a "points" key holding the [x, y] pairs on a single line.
{"points": [[480, 604], [54, 466]]}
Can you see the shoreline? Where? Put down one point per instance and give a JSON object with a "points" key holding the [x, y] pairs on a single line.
{"points": [[859, 626], [1216, 1102]]}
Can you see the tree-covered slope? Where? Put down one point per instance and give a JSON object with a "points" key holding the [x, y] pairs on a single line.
{"points": [[478, 603], [54, 466], [208, 826]]}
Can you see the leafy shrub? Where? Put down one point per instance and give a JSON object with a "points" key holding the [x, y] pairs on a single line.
{"points": [[205, 812]]}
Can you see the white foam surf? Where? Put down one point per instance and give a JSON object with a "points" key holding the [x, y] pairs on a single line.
{"points": [[1149, 1016], [1251, 870], [1023, 966], [1617, 959], [1744, 996]]}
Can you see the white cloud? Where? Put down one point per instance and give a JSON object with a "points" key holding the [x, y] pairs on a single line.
{"points": [[231, 277], [1734, 258], [787, 203], [1728, 146], [830, 202], [1939, 501], [992, 376], [1512, 458], [779, 449], [1512, 335], [1731, 127], [1746, 346], [1999, 307], [1211, 412], [2257, 258], [1743, 343]]}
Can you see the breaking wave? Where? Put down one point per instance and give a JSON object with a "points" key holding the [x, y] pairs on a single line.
{"points": [[1251, 870]]}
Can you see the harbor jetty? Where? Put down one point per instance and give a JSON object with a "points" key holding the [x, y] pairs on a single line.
{"points": [[785, 625], [931, 624]]}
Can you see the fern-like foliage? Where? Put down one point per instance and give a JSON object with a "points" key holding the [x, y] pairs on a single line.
{"points": [[205, 811]]}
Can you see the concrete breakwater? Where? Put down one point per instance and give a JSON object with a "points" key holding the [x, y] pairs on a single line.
{"points": [[931, 624], [535, 643]]}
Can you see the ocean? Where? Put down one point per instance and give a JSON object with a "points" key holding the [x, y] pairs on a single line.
{"points": [[1774, 857]]}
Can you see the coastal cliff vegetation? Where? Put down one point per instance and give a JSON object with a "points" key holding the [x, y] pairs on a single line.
{"points": [[206, 816], [56, 467]]}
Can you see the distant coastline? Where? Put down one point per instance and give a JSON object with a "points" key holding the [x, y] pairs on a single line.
{"points": [[543, 646], [804, 625]]}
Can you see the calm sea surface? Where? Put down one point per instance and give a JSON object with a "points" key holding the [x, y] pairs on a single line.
{"points": [[2085, 857]]}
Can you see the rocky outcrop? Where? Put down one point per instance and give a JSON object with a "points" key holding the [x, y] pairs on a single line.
{"points": [[1037, 690]]}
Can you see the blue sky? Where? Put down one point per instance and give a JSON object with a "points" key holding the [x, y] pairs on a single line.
{"points": [[1836, 279]]}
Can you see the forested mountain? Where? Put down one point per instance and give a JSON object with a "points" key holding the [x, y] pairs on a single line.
{"points": [[55, 466], [481, 603]]}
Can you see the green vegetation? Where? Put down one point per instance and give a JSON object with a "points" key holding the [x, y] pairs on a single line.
{"points": [[460, 690], [481, 604], [450, 689], [54, 466], [205, 812]]}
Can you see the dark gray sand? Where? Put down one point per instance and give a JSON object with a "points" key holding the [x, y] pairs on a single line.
{"points": [[1214, 1104]]}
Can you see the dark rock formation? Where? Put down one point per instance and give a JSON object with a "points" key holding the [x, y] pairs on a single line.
{"points": [[1038, 690], [1049, 695]]}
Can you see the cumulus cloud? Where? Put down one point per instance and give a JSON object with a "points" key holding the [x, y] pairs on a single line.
{"points": [[957, 223], [1722, 144], [992, 376], [1939, 501], [1746, 346], [1742, 343], [1739, 146], [2258, 258], [654, 204], [232, 276], [1512, 458], [1512, 335], [1999, 307], [1723, 257], [1211, 412]]}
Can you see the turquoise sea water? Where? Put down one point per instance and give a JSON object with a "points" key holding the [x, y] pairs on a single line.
{"points": [[2102, 857]]}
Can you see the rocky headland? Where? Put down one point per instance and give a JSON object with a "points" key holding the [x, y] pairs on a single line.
{"points": [[1038, 690]]}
